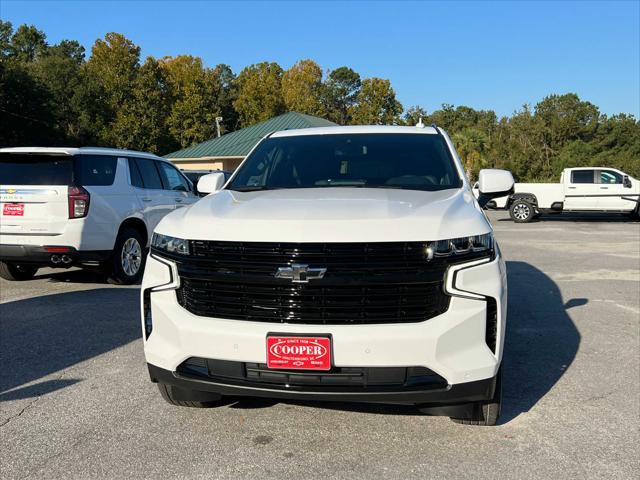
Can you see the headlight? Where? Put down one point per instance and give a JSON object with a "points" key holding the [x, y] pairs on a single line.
{"points": [[461, 246], [170, 244]]}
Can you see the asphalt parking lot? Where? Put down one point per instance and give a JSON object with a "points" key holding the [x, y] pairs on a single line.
{"points": [[75, 400]]}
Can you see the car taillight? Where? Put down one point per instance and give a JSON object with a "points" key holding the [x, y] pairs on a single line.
{"points": [[78, 202]]}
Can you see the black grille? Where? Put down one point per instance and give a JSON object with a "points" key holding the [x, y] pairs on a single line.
{"points": [[313, 304], [364, 283]]}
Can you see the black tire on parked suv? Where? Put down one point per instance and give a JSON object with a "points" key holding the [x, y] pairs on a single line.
{"points": [[486, 413], [522, 211], [17, 273], [126, 264], [181, 397]]}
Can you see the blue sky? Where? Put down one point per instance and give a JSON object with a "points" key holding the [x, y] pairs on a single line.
{"points": [[492, 55]]}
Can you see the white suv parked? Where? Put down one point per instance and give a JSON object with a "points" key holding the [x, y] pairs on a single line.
{"points": [[340, 264], [62, 207]]}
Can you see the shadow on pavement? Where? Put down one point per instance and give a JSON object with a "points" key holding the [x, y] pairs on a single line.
{"points": [[43, 335], [72, 275], [541, 340]]}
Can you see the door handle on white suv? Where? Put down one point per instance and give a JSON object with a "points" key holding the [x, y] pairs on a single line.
{"points": [[604, 188], [179, 199], [146, 199]]}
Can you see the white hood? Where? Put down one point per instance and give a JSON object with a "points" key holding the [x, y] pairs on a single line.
{"points": [[329, 215]]}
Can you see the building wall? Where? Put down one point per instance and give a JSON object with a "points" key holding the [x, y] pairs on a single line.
{"points": [[221, 163]]}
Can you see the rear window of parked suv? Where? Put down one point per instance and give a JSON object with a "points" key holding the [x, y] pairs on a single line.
{"points": [[82, 170]]}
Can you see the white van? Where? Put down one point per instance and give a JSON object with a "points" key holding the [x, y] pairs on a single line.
{"points": [[338, 264], [62, 207]]}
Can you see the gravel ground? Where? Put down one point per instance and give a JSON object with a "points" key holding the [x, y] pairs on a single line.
{"points": [[75, 400]]}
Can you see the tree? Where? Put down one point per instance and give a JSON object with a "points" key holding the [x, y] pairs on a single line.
{"points": [[6, 32], [377, 104], [141, 123], [414, 114], [471, 145], [340, 93], [195, 93], [114, 64], [226, 97], [25, 115], [259, 93], [27, 43], [302, 88], [564, 118], [58, 70]]}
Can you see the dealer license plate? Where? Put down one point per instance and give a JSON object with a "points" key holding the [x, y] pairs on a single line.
{"points": [[299, 353], [13, 209]]}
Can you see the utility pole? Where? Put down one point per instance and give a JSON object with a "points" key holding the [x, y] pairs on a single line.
{"points": [[218, 120]]}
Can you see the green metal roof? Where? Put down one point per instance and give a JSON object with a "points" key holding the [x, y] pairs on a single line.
{"points": [[240, 142]]}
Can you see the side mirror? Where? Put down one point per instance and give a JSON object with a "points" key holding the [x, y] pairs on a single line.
{"points": [[494, 183], [626, 181], [211, 182]]}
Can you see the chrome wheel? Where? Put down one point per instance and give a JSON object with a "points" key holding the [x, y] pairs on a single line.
{"points": [[521, 211], [131, 257]]}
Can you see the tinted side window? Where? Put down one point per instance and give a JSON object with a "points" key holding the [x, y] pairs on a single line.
{"points": [[172, 179], [608, 176], [136, 178], [149, 173], [94, 170], [582, 176]]}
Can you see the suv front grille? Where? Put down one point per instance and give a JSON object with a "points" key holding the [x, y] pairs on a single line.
{"points": [[311, 303], [364, 283]]}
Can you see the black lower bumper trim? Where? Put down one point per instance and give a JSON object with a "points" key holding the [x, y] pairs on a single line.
{"points": [[33, 254], [462, 393]]}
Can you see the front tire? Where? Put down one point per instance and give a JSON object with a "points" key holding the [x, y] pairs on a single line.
{"points": [[180, 397], [521, 211], [15, 272], [486, 413], [127, 260]]}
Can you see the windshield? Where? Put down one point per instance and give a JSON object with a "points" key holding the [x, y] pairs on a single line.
{"points": [[409, 161]]}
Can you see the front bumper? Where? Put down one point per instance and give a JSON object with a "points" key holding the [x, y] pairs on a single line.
{"points": [[437, 395], [453, 345]]}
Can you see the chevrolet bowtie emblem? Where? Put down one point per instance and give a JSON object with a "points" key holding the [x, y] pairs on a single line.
{"points": [[11, 190], [300, 273]]}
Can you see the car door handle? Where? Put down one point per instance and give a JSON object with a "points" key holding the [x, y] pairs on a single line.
{"points": [[146, 199], [572, 188], [604, 188], [179, 199]]}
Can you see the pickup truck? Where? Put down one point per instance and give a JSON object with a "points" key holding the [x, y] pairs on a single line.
{"points": [[586, 189]]}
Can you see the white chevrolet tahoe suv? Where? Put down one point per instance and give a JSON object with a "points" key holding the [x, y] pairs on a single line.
{"points": [[87, 207], [341, 264]]}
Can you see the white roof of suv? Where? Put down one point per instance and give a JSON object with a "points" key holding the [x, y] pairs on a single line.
{"points": [[79, 150], [353, 129]]}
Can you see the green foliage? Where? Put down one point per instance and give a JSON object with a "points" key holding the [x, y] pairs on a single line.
{"points": [[52, 95], [340, 93], [141, 123], [259, 90], [27, 43], [376, 104], [302, 88], [196, 93]]}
